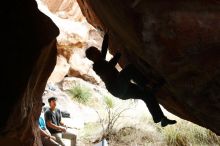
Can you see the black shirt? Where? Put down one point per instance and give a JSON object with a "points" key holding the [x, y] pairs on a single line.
{"points": [[54, 117], [106, 71]]}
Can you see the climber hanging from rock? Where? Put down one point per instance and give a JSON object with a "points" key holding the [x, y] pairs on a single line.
{"points": [[119, 83]]}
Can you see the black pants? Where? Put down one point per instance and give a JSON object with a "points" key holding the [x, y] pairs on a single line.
{"points": [[123, 88]]}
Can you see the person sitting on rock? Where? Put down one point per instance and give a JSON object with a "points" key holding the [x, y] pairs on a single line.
{"points": [[119, 83], [55, 124], [46, 137]]}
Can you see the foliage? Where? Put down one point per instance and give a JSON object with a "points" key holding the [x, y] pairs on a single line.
{"points": [[113, 113], [185, 133], [109, 102], [90, 131], [80, 93]]}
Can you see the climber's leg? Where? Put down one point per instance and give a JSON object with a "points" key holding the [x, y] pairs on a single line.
{"points": [[136, 92]]}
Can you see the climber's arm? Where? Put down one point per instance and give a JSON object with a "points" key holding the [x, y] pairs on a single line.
{"points": [[104, 46], [115, 59]]}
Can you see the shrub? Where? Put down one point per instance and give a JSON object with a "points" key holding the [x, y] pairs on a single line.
{"points": [[109, 102], [113, 112], [80, 93], [185, 133]]}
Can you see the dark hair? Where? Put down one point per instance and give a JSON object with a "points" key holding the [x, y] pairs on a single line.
{"points": [[51, 98], [90, 51]]}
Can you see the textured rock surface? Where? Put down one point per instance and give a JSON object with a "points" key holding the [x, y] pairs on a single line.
{"points": [[28, 60], [60, 71], [76, 34], [180, 41]]}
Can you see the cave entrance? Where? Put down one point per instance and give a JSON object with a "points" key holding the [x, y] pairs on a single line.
{"points": [[73, 70], [76, 34]]}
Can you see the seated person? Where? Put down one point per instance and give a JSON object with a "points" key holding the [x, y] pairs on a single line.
{"points": [[46, 138], [55, 124], [119, 83]]}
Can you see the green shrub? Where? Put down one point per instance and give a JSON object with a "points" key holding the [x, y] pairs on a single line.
{"points": [[80, 93], [109, 102], [185, 133]]}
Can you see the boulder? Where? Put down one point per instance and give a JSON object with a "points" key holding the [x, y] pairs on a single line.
{"points": [[174, 40], [60, 71], [28, 60]]}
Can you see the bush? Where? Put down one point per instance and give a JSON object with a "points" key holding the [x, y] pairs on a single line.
{"points": [[109, 102], [80, 93], [113, 112], [185, 133]]}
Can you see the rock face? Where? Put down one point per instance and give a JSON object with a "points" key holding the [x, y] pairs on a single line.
{"points": [[76, 34], [60, 70], [176, 40], [29, 39]]}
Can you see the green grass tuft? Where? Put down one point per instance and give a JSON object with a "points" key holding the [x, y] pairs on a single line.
{"points": [[80, 93], [109, 102]]}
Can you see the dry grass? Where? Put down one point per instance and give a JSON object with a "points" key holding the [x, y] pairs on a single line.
{"points": [[125, 131], [132, 136], [185, 133], [146, 133], [91, 132]]}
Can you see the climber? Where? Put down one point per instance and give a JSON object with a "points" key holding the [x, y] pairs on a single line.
{"points": [[119, 83]]}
